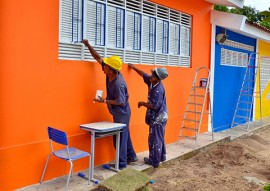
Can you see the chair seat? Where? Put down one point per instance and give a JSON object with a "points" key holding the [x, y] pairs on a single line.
{"points": [[74, 154]]}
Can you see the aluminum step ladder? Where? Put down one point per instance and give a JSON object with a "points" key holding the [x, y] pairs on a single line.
{"points": [[245, 103], [195, 108]]}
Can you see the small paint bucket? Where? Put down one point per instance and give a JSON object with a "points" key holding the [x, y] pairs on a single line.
{"points": [[203, 82]]}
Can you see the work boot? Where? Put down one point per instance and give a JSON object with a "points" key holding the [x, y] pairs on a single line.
{"points": [[135, 159], [149, 162], [120, 167]]}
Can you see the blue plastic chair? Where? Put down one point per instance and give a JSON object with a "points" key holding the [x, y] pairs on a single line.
{"points": [[69, 154]]}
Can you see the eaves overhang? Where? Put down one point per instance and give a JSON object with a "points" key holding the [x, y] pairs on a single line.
{"points": [[238, 24], [230, 3]]}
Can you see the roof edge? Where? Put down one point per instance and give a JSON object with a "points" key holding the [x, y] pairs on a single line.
{"points": [[230, 3], [239, 24]]}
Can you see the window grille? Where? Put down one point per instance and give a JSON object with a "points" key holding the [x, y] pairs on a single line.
{"points": [[139, 31], [233, 58], [265, 74], [239, 45]]}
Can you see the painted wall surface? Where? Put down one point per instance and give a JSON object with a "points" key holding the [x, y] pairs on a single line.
{"points": [[264, 51], [39, 90], [227, 82]]}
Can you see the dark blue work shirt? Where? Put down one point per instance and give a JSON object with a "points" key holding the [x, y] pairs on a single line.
{"points": [[117, 90], [157, 98]]}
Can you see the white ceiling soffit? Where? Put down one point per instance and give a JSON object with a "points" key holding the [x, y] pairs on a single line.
{"points": [[230, 3], [237, 23]]}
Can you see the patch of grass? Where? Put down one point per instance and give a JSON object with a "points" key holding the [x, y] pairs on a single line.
{"points": [[267, 187], [126, 180]]}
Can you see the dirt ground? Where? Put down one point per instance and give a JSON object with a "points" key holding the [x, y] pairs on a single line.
{"points": [[243, 165]]}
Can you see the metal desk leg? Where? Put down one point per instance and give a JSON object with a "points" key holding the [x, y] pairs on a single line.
{"points": [[117, 151], [92, 151]]}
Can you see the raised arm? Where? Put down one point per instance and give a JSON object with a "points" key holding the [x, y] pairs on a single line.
{"points": [[92, 51], [140, 72]]}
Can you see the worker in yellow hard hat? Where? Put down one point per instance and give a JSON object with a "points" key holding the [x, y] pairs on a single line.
{"points": [[117, 102]]}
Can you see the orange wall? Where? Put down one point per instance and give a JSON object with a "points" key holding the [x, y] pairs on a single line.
{"points": [[38, 90]]}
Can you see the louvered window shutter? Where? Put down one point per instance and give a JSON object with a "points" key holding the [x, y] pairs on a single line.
{"points": [[70, 21], [185, 41], [165, 39], [100, 24], [152, 34], [90, 18], [94, 23], [130, 30], [162, 36], [88, 22], [159, 35], [146, 21], [111, 18], [133, 40], [137, 31], [174, 39], [120, 28]]}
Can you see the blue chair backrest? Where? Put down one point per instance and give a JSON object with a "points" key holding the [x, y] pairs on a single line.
{"points": [[57, 136]]}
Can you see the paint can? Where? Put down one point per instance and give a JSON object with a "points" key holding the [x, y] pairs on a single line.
{"points": [[203, 82]]}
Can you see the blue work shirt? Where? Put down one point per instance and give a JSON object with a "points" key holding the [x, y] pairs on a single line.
{"points": [[157, 98], [117, 90]]}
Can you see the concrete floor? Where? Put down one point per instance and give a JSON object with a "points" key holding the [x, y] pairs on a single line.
{"points": [[181, 149]]}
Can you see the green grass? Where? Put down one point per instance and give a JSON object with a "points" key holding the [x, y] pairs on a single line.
{"points": [[126, 180], [267, 187]]}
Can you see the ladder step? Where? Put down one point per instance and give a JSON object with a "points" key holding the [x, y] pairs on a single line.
{"points": [[247, 89], [195, 95], [246, 95], [246, 102], [242, 109], [190, 128], [235, 123], [249, 95], [249, 80], [192, 120], [192, 103], [197, 112], [199, 87], [252, 67], [239, 116], [248, 73], [187, 137]]}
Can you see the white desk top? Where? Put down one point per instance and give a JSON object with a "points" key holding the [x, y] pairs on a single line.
{"points": [[102, 126]]}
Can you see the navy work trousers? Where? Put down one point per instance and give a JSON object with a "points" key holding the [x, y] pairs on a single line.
{"points": [[126, 151], [156, 143]]}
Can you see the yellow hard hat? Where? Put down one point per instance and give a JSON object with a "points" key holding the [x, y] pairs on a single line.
{"points": [[113, 61]]}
